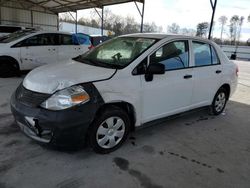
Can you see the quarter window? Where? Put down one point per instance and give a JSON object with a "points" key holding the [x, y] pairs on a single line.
{"points": [[215, 59], [204, 54], [173, 55]]}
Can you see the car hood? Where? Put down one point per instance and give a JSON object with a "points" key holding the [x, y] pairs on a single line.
{"points": [[54, 77]]}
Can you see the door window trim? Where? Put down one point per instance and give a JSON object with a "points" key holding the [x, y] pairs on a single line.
{"points": [[190, 53], [210, 47], [168, 42]]}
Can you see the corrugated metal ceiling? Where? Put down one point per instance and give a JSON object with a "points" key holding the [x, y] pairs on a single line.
{"points": [[58, 6]]}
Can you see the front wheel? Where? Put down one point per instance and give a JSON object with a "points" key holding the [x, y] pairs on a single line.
{"points": [[219, 102], [8, 68], [109, 130]]}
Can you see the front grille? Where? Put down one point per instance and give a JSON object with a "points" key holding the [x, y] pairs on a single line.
{"points": [[30, 98]]}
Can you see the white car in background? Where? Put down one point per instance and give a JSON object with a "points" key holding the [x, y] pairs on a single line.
{"points": [[8, 29], [28, 49]]}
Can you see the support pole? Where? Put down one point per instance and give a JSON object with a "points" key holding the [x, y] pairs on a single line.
{"points": [[102, 20], [141, 13], [101, 17], [142, 16], [76, 21], [58, 24], [0, 15], [213, 5], [32, 18]]}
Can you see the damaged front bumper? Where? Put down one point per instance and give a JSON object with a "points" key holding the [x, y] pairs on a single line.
{"points": [[61, 128]]}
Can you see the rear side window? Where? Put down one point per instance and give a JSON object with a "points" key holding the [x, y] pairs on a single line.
{"points": [[173, 55], [82, 39], [204, 54], [68, 40]]}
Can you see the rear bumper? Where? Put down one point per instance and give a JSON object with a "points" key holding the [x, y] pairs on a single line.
{"points": [[60, 128]]}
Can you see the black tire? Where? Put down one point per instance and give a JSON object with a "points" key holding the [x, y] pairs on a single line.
{"points": [[8, 68], [218, 109], [109, 112]]}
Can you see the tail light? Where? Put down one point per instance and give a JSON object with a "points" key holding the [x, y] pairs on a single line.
{"points": [[90, 47]]}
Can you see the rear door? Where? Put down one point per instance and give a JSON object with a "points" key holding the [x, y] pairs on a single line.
{"points": [[69, 47], [171, 92], [207, 73], [39, 50]]}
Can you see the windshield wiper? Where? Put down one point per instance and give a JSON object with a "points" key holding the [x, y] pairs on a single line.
{"points": [[96, 63]]}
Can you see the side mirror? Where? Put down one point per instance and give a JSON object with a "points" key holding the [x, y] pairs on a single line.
{"points": [[155, 68]]}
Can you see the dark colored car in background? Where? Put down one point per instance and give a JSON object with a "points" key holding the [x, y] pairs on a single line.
{"points": [[97, 39], [91, 40]]}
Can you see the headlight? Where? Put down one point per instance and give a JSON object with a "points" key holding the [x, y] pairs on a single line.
{"points": [[66, 98]]}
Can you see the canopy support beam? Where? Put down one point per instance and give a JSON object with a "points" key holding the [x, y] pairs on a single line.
{"points": [[141, 12], [101, 16], [213, 6]]}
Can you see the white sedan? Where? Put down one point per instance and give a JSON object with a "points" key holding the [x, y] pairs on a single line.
{"points": [[25, 50], [121, 85]]}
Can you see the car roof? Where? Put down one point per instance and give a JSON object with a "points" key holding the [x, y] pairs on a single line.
{"points": [[57, 32], [163, 36]]}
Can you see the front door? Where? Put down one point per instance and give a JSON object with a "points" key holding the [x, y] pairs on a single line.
{"points": [[171, 92], [39, 50]]}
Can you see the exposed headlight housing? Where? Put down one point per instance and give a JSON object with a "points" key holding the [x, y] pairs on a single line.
{"points": [[66, 98]]}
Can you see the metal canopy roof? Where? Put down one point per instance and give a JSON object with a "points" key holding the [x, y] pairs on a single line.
{"points": [[58, 6]]}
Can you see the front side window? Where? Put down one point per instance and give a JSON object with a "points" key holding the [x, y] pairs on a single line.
{"points": [[173, 55], [118, 52], [40, 40]]}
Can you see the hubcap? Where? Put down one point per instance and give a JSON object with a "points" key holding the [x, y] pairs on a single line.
{"points": [[220, 102], [110, 132]]}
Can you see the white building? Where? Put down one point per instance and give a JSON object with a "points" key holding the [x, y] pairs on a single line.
{"points": [[70, 27]]}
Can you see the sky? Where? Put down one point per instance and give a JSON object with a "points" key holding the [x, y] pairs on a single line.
{"points": [[186, 13]]}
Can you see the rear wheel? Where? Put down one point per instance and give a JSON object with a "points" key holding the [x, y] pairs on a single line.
{"points": [[109, 131], [219, 102]]}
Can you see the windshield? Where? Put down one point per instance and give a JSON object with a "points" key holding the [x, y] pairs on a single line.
{"points": [[14, 36], [117, 53]]}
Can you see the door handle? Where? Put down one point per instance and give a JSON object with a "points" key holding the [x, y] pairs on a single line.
{"points": [[187, 76], [218, 71]]}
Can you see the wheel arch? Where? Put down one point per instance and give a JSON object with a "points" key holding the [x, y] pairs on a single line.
{"points": [[12, 60], [125, 106], [227, 87]]}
